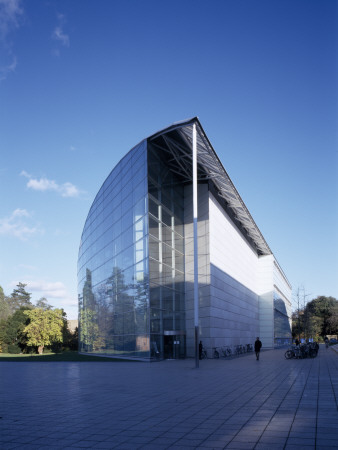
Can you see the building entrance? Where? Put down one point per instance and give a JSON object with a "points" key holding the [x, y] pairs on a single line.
{"points": [[174, 345]]}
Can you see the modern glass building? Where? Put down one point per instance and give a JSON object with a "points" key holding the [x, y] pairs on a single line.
{"points": [[135, 265]]}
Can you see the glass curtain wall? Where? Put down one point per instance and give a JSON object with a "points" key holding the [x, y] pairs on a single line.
{"points": [[166, 259], [282, 333], [113, 264]]}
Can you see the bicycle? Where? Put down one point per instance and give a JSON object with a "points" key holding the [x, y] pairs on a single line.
{"points": [[239, 349], [204, 354], [216, 353], [226, 352], [292, 352], [249, 348]]}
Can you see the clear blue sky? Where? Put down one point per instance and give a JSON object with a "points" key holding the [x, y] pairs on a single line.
{"points": [[84, 81]]}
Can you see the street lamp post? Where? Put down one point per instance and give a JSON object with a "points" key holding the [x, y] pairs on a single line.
{"points": [[194, 183]]}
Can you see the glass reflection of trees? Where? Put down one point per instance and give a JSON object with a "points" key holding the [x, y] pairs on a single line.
{"points": [[114, 318]]}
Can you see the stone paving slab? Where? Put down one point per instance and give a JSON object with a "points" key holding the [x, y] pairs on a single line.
{"points": [[239, 403]]}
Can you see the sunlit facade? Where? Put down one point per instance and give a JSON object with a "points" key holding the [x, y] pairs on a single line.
{"points": [[135, 265]]}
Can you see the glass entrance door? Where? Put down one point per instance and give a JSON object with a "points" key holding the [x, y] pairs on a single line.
{"points": [[174, 346]]}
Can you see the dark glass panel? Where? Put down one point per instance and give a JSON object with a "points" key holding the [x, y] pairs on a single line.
{"points": [[167, 235], [166, 200], [154, 246], [167, 274], [153, 227], [154, 168], [153, 208], [179, 261], [178, 243], [154, 270], [167, 255], [155, 297], [166, 217], [153, 189], [167, 295], [168, 322], [141, 324], [129, 322]]}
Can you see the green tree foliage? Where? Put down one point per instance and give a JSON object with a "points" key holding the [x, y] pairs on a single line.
{"points": [[333, 319], [5, 311], [71, 339], [42, 303], [45, 327], [14, 322], [318, 318], [19, 298], [12, 332], [90, 336]]}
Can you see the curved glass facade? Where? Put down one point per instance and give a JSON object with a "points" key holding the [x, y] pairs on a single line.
{"points": [[113, 263], [131, 262], [136, 265]]}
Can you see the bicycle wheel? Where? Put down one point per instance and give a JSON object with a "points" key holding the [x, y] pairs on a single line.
{"points": [[288, 354], [312, 353], [216, 354]]}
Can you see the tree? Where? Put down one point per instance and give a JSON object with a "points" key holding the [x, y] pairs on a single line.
{"points": [[333, 319], [5, 311], [71, 339], [323, 308], [13, 331], [45, 327], [19, 298], [43, 304], [316, 319]]}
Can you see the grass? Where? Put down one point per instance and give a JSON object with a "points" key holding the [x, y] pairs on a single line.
{"points": [[56, 357]]}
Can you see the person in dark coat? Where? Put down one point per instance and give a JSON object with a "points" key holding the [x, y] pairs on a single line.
{"points": [[258, 346], [200, 349]]}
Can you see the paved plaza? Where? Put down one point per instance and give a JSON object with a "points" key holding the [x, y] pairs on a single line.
{"points": [[241, 403]]}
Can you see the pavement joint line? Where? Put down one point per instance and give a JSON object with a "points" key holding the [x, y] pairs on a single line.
{"points": [[221, 405]]}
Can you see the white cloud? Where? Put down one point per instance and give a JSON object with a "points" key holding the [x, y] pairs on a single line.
{"points": [[59, 33], [55, 292], [8, 69], [48, 289], [25, 174], [44, 184], [16, 225], [28, 267], [20, 213], [11, 15]]}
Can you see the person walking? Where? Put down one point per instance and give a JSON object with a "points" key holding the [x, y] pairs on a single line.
{"points": [[200, 349], [258, 346]]}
